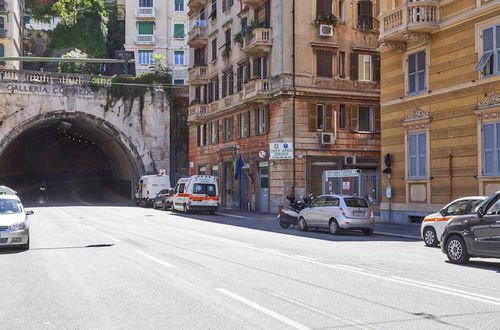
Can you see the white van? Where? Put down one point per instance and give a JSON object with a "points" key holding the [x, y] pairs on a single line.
{"points": [[196, 193], [149, 186]]}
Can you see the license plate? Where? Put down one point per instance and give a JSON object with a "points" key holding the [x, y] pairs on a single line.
{"points": [[358, 213]]}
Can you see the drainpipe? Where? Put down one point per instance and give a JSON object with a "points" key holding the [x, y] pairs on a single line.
{"points": [[450, 183], [294, 96]]}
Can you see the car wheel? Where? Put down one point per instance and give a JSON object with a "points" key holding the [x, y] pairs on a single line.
{"points": [[154, 205], [430, 238], [185, 209], [334, 227], [367, 232], [165, 208], [456, 250], [302, 224]]}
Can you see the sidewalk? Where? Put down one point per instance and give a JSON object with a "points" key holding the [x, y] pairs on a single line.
{"points": [[410, 231]]}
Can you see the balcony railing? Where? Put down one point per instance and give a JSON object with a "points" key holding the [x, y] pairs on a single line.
{"points": [[145, 12], [198, 36], [419, 16], [145, 39], [198, 75], [38, 77], [257, 91], [196, 4], [259, 42], [196, 113]]}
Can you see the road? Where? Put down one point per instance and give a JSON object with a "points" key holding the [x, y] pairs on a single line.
{"points": [[97, 266]]}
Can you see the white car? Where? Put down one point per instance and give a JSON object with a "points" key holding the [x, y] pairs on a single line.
{"points": [[14, 225], [433, 225]]}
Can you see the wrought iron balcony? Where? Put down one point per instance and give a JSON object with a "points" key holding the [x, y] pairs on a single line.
{"points": [[145, 12], [198, 75], [260, 42], [196, 113], [257, 91], [198, 36], [411, 17]]}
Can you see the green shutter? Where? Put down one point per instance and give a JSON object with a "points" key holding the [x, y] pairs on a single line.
{"points": [[178, 30], [146, 27], [179, 2]]}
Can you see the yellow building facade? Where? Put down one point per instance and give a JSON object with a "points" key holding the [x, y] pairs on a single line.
{"points": [[440, 103]]}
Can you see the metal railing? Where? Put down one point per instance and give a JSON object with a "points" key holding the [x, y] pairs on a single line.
{"points": [[145, 12], [145, 39], [38, 77]]}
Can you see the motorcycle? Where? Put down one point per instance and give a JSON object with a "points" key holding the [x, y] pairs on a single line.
{"points": [[288, 215]]}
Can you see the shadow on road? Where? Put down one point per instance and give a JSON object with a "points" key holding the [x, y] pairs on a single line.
{"points": [[494, 266], [14, 250]]}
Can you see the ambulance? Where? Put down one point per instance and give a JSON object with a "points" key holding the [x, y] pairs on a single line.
{"points": [[196, 193], [149, 186]]}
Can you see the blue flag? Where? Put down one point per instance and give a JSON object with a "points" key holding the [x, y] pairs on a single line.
{"points": [[239, 166]]}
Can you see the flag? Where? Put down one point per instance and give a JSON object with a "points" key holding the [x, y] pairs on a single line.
{"points": [[239, 166], [241, 5]]}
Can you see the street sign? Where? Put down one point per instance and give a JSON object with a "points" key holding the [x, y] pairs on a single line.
{"points": [[341, 174], [282, 150], [262, 154], [350, 173]]}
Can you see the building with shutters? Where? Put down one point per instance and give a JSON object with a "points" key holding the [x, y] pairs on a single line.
{"points": [[158, 27], [11, 31], [440, 103], [266, 78]]}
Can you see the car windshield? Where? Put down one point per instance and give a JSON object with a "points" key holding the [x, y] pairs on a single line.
{"points": [[205, 188], [9, 206], [355, 202]]}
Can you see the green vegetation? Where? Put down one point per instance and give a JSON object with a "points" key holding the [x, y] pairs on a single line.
{"points": [[78, 67]]}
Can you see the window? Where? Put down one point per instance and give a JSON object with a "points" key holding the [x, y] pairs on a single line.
{"points": [[321, 117], [262, 120], [179, 5], [260, 67], [202, 135], [214, 49], [364, 67], [355, 202], [244, 124], [179, 57], [341, 12], [146, 27], [199, 57], [178, 81], [331, 201], [491, 149], [179, 31], [323, 8], [365, 19], [489, 63], [181, 188], [457, 208], [2, 23], [145, 3], [324, 63], [214, 132], [215, 171], [208, 189], [416, 73], [230, 83], [228, 128], [417, 155], [213, 90], [342, 64], [213, 11], [342, 116], [227, 4], [202, 170], [365, 119], [145, 57]]}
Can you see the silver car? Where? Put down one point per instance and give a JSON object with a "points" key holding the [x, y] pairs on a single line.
{"points": [[14, 225], [336, 213]]}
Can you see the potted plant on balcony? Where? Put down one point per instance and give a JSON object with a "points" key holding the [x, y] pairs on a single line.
{"points": [[326, 19], [226, 52], [238, 38], [194, 102]]}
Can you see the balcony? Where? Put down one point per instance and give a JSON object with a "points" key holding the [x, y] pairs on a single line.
{"points": [[196, 113], [145, 39], [145, 12], [198, 37], [257, 91], [253, 3], [412, 17], [196, 4], [259, 43], [3, 33], [198, 75]]}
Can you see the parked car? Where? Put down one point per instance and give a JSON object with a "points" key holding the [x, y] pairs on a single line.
{"points": [[163, 200], [433, 225], [475, 235], [14, 224], [337, 213]]}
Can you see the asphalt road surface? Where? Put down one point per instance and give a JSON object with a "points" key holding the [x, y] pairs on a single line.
{"points": [[96, 266]]}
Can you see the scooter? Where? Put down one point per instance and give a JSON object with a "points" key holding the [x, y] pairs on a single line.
{"points": [[288, 215]]}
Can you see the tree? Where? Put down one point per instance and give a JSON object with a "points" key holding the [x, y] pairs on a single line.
{"points": [[78, 67], [159, 67]]}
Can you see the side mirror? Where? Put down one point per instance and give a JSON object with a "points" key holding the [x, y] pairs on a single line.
{"points": [[443, 212], [29, 212], [480, 212]]}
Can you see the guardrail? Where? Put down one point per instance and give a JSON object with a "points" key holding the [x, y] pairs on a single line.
{"points": [[38, 77]]}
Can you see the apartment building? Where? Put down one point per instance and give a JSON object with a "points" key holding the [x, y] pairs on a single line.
{"points": [[440, 103], [11, 31], [158, 27], [291, 87]]}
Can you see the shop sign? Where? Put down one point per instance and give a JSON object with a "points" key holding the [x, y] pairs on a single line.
{"points": [[342, 174], [282, 150], [263, 164]]}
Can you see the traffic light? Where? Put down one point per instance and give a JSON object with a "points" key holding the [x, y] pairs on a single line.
{"points": [[387, 161]]}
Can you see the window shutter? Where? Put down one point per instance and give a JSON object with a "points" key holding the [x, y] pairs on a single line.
{"points": [[228, 38], [256, 68], [324, 59], [267, 8], [313, 118], [239, 79], [198, 131], [146, 27], [329, 117], [412, 153], [216, 89], [205, 94], [224, 85], [178, 30], [376, 67], [354, 118], [231, 82], [210, 92], [256, 121], [489, 149], [354, 66], [376, 120], [223, 5], [197, 93], [264, 66], [422, 155]]}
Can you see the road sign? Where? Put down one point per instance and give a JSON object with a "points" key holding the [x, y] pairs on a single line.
{"points": [[262, 154], [282, 150]]}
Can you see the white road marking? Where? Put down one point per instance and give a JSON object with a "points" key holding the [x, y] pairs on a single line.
{"points": [[264, 310], [109, 236], [232, 215], [155, 259]]}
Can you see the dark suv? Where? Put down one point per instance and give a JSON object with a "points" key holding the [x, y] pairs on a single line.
{"points": [[476, 235]]}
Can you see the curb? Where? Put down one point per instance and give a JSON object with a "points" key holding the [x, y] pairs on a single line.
{"points": [[398, 235]]}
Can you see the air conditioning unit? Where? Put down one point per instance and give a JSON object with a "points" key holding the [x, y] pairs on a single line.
{"points": [[325, 30], [350, 160], [326, 139]]}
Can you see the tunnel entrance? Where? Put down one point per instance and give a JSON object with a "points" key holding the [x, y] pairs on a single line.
{"points": [[74, 157]]}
